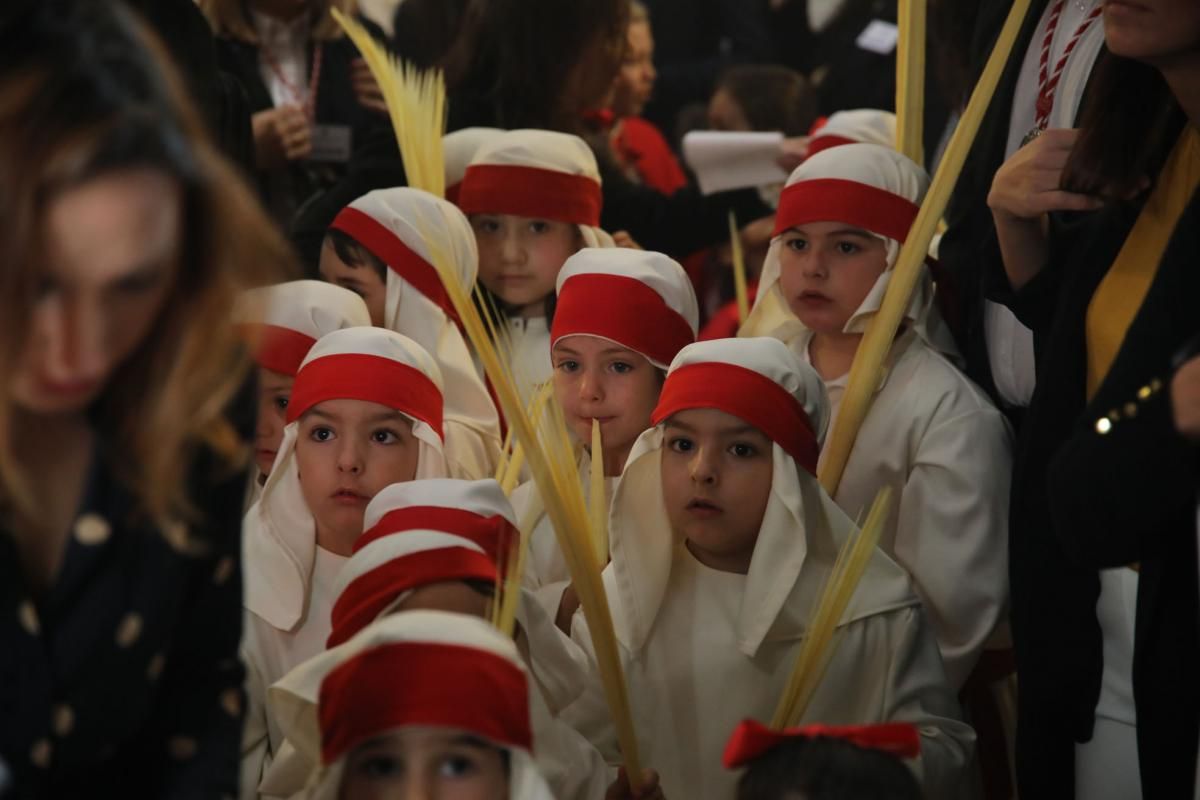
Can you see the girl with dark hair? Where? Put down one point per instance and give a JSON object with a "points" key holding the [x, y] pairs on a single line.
{"points": [[127, 240], [1102, 537]]}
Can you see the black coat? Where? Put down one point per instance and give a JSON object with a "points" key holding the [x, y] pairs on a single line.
{"points": [[1083, 502], [124, 679]]}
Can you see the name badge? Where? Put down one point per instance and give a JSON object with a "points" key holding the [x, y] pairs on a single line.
{"points": [[331, 143], [879, 37]]}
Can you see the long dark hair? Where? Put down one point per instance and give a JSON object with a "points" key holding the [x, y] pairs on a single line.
{"points": [[536, 63], [1129, 122]]}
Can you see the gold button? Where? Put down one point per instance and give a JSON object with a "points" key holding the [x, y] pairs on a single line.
{"points": [[28, 617], [231, 701], [181, 748], [40, 753], [63, 720], [155, 668], [92, 529], [129, 630], [223, 571]]}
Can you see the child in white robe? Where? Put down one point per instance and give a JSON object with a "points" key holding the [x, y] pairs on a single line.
{"points": [[280, 324], [437, 544], [721, 540], [401, 228], [365, 412], [621, 316], [430, 701], [533, 198], [930, 434]]}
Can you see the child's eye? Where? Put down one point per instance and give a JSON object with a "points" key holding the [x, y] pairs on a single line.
{"points": [[455, 766], [539, 226], [680, 444], [485, 225], [847, 248], [380, 767], [568, 365], [280, 401], [321, 434], [621, 367], [743, 450], [384, 436], [797, 244]]}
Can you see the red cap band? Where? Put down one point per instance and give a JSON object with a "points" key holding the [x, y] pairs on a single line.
{"points": [[452, 192], [494, 534], [821, 142], [747, 395], [275, 347], [836, 200], [388, 248], [358, 376], [530, 192], [752, 739], [365, 598], [623, 310], [422, 683]]}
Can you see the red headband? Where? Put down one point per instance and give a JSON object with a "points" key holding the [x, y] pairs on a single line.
{"points": [[422, 683], [365, 598], [388, 248], [494, 534], [752, 739], [623, 310], [530, 192], [747, 395], [836, 200], [358, 376], [821, 141], [275, 347], [452, 192]]}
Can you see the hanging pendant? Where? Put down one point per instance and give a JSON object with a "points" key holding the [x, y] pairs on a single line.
{"points": [[1034, 133]]}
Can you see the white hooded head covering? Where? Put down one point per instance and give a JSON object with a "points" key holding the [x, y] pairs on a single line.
{"points": [[637, 299], [866, 185], [279, 533], [540, 174], [417, 668], [458, 148], [854, 126], [394, 224], [283, 322], [763, 383]]}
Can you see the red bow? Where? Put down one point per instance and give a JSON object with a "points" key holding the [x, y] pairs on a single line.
{"points": [[752, 739]]}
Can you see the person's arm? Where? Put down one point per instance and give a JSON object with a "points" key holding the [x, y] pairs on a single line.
{"points": [[952, 532]]}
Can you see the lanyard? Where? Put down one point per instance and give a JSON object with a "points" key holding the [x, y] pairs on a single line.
{"points": [[309, 103], [1047, 81]]}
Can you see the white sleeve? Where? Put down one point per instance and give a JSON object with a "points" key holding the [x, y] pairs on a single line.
{"points": [[572, 767], [952, 532], [255, 739]]}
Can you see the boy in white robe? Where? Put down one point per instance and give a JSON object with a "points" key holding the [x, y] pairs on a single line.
{"points": [[402, 228], [533, 198], [430, 702], [621, 316], [930, 434], [365, 412], [721, 540], [436, 545]]}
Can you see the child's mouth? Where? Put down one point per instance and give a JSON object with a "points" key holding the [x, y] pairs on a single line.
{"points": [[699, 507], [348, 497], [813, 299]]}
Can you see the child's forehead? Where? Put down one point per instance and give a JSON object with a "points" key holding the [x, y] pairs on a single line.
{"points": [[831, 228], [711, 421], [422, 736], [271, 380], [352, 409]]}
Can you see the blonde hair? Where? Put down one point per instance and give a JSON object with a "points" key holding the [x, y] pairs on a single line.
{"points": [[79, 99], [229, 18]]}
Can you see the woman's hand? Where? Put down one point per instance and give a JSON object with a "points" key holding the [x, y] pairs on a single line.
{"points": [[792, 152], [366, 90], [281, 135], [1185, 399], [621, 790], [624, 239]]}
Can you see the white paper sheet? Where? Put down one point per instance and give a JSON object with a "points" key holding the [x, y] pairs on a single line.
{"points": [[724, 160]]}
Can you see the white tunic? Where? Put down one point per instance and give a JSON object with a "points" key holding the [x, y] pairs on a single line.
{"points": [[530, 357], [936, 439], [270, 653]]}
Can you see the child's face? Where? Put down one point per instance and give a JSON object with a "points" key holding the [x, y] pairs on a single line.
{"points": [[725, 114], [826, 270], [274, 390], [425, 763], [363, 280], [519, 257], [346, 452], [457, 597], [716, 478], [597, 379]]}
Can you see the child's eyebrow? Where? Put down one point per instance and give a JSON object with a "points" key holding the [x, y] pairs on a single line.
{"points": [[316, 412], [859, 232], [733, 430], [388, 416], [467, 740]]}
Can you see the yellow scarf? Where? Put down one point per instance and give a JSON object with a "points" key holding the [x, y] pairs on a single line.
{"points": [[1121, 292]]}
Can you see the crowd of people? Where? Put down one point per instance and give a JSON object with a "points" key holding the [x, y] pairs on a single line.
{"points": [[267, 530]]}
